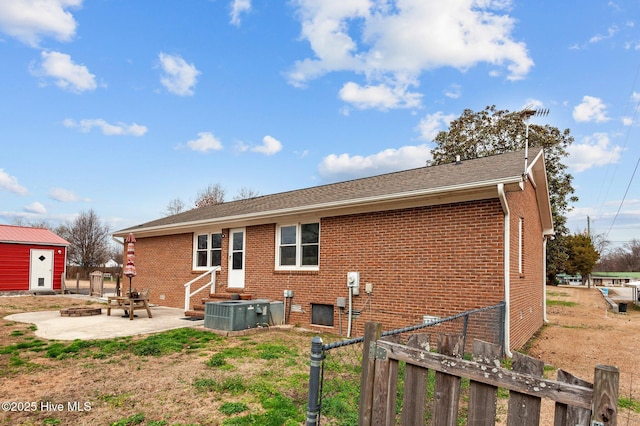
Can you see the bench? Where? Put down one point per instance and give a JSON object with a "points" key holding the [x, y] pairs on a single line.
{"points": [[130, 304]]}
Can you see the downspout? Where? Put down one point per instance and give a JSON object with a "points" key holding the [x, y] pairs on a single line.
{"points": [[544, 280], [507, 278]]}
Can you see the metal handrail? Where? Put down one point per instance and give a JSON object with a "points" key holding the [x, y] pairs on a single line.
{"points": [[187, 286]]}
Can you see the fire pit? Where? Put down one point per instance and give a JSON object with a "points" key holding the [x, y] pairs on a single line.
{"points": [[80, 312]]}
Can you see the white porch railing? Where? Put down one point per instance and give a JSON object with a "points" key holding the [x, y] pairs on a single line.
{"points": [[187, 286]]}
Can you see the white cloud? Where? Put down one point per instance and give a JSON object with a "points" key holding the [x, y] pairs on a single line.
{"points": [[30, 20], [10, 183], [206, 142], [432, 124], [63, 195], [118, 129], [337, 167], [611, 31], [591, 109], [395, 43], [36, 208], [379, 96], [239, 7], [270, 146], [67, 75], [454, 91], [594, 151], [178, 77]]}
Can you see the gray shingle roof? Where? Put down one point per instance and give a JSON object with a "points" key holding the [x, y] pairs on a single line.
{"points": [[496, 168]]}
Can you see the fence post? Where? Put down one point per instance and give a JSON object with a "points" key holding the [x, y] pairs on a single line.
{"points": [[313, 407], [605, 395], [372, 332], [503, 315]]}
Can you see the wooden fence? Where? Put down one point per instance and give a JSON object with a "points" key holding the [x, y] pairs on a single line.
{"points": [[576, 401]]}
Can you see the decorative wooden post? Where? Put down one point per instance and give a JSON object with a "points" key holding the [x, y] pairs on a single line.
{"points": [[372, 332], [606, 380]]}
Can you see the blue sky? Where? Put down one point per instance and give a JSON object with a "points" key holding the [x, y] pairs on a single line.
{"points": [[122, 107]]}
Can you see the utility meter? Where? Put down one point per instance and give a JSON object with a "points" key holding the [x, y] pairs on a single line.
{"points": [[353, 282]]}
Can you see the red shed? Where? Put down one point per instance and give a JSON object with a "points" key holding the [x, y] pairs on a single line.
{"points": [[31, 259]]}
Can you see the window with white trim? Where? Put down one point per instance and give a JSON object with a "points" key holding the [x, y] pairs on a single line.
{"points": [[208, 250], [298, 246]]}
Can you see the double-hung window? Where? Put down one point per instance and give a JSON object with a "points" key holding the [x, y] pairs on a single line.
{"points": [[208, 250], [298, 246]]}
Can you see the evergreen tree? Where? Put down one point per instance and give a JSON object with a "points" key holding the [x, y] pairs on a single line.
{"points": [[492, 131]]}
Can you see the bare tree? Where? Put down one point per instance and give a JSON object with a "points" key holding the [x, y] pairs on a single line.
{"points": [[211, 195], [19, 221], [116, 252], [175, 206], [622, 259], [245, 193], [89, 240]]}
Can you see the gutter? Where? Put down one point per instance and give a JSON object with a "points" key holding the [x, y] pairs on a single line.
{"points": [[544, 278], [507, 279]]}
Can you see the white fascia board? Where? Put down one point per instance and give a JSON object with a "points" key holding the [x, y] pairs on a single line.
{"points": [[441, 195], [537, 174]]}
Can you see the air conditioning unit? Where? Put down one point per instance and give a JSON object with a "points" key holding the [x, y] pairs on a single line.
{"points": [[234, 315], [276, 314]]}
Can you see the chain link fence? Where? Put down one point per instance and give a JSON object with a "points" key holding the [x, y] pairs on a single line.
{"points": [[334, 383]]}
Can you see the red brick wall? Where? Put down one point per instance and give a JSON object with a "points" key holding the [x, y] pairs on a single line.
{"points": [[527, 288], [163, 264], [438, 260]]}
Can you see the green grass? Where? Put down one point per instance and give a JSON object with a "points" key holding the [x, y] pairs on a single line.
{"points": [[205, 384], [629, 403], [115, 401], [185, 339], [551, 302], [558, 293], [274, 351], [230, 408], [134, 419]]}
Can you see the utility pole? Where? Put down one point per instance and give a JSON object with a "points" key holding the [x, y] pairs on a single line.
{"points": [[589, 235]]}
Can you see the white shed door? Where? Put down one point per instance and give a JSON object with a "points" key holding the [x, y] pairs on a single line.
{"points": [[41, 275]]}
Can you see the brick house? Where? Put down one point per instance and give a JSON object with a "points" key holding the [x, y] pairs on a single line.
{"points": [[434, 240]]}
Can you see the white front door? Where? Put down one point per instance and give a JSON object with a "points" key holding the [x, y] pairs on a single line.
{"points": [[41, 274], [236, 257]]}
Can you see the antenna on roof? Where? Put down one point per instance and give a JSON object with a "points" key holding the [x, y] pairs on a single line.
{"points": [[526, 114]]}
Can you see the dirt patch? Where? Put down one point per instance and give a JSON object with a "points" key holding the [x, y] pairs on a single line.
{"points": [[583, 332]]}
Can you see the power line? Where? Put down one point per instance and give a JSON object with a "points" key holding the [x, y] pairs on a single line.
{"points": [[626, 139], [625, 195]]}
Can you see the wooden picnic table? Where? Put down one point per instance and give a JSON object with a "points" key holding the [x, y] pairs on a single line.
{"points": [[129, 304]]}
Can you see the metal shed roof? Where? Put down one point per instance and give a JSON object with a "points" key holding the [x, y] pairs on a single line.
{"points": [[25, 235]]}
